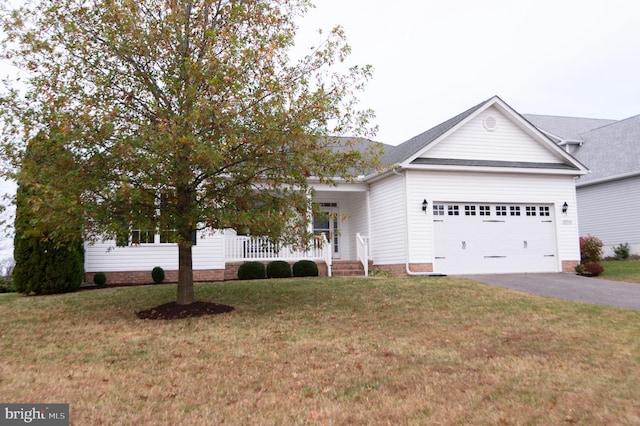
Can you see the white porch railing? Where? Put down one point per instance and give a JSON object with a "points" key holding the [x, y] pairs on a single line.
{"points": [[362, 252], [244, 248]]}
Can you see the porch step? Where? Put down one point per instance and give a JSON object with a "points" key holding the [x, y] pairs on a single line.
{"points": [[347, 268]]}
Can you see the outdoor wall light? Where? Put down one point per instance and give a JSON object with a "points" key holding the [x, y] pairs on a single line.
{"points": [[424, 206], [565, 207]]}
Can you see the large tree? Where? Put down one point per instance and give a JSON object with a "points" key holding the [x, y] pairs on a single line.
{"points": [[179, 115]]}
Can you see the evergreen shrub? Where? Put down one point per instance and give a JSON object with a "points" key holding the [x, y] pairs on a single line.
{"points": [[251, 271], [278, 269], [305, 268], [157, 274], [99, 278], [622, 252]]}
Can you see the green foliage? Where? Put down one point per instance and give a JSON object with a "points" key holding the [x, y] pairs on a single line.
{"points": [[47, 267], [590, 249], [44, 265], [305, 268], [157, 274], [6, 285], [278, 269], [185, 104], [100, 279], [623, 251], [377, 272], [251, 271]]}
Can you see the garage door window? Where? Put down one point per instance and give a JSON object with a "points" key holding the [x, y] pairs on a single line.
{"points": [[531, 210], [515, 210], [469, 210], [544, 210], [453, 210], [485, 210], [438, 210], [501, 210]]}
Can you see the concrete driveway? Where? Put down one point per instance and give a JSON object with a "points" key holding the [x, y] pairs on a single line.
{"points": [[568, 286]]}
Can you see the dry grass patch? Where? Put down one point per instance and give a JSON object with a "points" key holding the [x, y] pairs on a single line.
{"points": [[325, 351]]}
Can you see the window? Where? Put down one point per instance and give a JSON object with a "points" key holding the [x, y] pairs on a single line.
{"points": [[142, 236], [485, 210], [469, 210], [514, 210], [438, 210], [543, 210], [168, 236], [530, 210], [501, 210], [453, 210]]}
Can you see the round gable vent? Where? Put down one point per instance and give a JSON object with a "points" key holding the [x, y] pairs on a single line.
{"points": [[490, 123]]}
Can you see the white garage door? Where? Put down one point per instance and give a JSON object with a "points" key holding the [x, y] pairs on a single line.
{"points": [[494, 238]]}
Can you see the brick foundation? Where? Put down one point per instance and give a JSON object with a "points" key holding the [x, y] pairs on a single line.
{"points": [[207, 275], [400, 270], [569, 265], [144, 277]]}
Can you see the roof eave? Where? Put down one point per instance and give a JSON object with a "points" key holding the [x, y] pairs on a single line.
{"points": [[485, 169]]}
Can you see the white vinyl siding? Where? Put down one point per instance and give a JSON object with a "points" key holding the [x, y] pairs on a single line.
{"points": [[357, 218], [104, 256], [507, 142], [388, 241], [611, 211]]}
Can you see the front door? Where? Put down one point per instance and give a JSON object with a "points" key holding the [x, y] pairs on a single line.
{"points": [[326, 221]]}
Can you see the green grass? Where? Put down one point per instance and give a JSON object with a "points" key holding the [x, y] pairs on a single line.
{"points": [[324, 351], [622, 270]]}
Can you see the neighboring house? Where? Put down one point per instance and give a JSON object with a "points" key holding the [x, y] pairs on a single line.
{"points": [[609, 196], [484, 192]]}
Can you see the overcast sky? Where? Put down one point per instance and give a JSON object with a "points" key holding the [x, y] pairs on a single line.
{"points": [[435, 59]]}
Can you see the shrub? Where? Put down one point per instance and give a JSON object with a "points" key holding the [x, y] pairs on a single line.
{"points": [[44, 264], [590, 249], [305, 268], [157, 274], [47, 267], [251, 271], [623, 251], [279, 269], [592, 269], [6, 285], [377, 272], [99, 278]]}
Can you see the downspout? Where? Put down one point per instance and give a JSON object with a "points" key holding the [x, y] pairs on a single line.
{"points": [[406, 231], [367, 197]]}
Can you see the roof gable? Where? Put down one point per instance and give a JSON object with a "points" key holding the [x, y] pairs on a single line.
{"points": [[490, 134]]}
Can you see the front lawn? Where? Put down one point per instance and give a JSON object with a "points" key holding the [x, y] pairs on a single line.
{"points": [[324, 351], [621, 270]]}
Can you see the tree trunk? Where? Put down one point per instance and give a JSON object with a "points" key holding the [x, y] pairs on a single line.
{"points": [[185, 274]]}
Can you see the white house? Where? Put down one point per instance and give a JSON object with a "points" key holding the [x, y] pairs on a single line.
{"points": [[609, 196], [484, 192]]}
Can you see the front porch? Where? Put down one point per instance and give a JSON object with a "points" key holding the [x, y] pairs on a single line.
{"points": [[242, 248]]}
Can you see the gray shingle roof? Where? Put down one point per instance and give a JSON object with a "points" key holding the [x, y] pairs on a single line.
{"points": [[406, 149], [612, 150], [567, 128], [609, 148]]}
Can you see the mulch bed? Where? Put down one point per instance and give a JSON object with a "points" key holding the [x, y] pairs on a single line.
{"points": [[172, 310]]}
